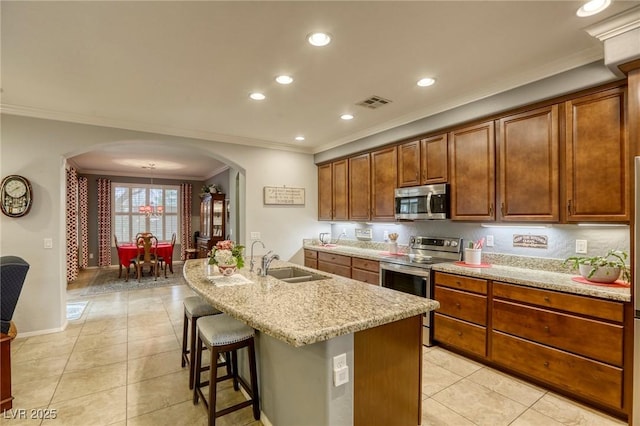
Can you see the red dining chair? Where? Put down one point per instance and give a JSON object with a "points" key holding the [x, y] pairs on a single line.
{"points": [[147, 255], [169, 261]]}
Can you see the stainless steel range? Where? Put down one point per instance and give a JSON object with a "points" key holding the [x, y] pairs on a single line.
{"points": [[411, 272]]}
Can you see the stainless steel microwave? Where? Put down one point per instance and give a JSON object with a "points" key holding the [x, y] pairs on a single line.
{"points": [[422, 202]]}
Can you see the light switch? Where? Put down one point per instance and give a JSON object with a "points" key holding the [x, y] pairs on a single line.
{"points": [[48, 243], [255, 235]]}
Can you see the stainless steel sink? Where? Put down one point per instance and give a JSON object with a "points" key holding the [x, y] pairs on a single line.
{"points": [[295, 275]]}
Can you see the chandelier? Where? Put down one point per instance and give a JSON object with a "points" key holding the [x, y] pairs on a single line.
{"points": [[151, 210]]}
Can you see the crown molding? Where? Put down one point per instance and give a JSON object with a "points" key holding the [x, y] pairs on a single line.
{"points": [[616, 25]]}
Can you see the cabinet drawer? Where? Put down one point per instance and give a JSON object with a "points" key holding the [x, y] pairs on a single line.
{"points": [[310, 263], [581, 376], [310, 254], [605, 309], [459, 282], [591, 338], [367, 265], [334, 258], [459, 304], [333, 268], [460, 334], [365, 276]]}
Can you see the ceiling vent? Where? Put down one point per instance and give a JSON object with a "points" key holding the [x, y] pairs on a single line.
{"points": [[374, 102]]}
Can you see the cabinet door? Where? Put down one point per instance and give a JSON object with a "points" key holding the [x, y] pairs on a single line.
{"points": [[359, 187], [340, 190], [472, 172], [205, 216], [528, 166], [597, 158], [325, 192], [409, 164], [384, 172], [434, 160], [218, 218]]}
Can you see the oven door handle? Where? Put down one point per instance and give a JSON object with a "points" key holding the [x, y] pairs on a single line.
{"points": [[419, 272], [429, 204]]}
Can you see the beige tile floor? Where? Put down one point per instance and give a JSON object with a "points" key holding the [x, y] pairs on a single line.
{"points": [[119, 364]]}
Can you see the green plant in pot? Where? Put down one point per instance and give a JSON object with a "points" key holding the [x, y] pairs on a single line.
{"points": [[602, 269]]}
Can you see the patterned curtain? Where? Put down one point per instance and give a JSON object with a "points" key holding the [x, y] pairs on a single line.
{"points": [[72, 225], [186, 239], [104, 222], [83, 207]]}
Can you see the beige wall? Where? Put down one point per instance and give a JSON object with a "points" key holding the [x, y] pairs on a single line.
{"points": [[37, 149]]}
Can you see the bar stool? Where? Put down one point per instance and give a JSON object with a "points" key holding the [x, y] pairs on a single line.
{"points": [[194, 308], [221, 333]]}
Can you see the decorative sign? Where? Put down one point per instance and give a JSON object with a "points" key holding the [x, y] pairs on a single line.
{"points": [[283, 196], [531, 241]]}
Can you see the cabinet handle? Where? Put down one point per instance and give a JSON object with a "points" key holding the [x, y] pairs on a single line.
{"points": [[546, 364], [546, 328], [458, 305], [546, 299], [460, 333], [502, 209], [417, 176], [569, 206], [491, 209], [458, 283]]}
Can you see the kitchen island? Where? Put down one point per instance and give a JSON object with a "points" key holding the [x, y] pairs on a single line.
{"points": [[303, 326]]}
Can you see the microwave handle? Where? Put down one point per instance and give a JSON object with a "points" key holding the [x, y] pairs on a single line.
{"points": [[429, 204]]}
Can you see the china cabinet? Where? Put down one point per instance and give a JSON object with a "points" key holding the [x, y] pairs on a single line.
{"points": [[212, 222]]}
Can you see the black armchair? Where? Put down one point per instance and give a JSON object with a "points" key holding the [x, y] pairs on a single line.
{"points": [[13, 271]]}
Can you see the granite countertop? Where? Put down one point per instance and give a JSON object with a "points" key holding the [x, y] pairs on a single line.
{"points": [[304, 313], [532, 272]]}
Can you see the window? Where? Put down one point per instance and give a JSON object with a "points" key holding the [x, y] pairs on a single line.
{"points": [[129, 221]]}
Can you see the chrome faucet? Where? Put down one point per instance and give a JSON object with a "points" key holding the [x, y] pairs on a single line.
{"points": [[266, 262], [251, 262], [343, 234]]}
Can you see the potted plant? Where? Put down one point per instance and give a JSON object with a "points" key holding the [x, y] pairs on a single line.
{"points": [[602, 269]]}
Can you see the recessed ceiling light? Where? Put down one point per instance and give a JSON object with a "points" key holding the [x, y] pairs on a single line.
{"points": [[257, 96], [319, 39], [284, 79], [346, 117], [424, 82], [593, 7], [300, 138]]}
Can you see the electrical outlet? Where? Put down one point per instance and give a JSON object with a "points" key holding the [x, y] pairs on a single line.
{"points": [[255, 235], [489, 240], [339, 361], [581, 246], [90, 255], [48, 243], [341, 376]]}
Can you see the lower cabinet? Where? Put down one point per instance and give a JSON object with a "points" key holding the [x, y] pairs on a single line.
{"points": [[573, 343], [311, 258], [365, 270], [334, 264]]}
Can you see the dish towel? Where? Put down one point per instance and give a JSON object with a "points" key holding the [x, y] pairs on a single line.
{"points": [[235, 279]]}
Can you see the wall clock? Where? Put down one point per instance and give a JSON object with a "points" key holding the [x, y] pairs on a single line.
{"points": [[15, 196]]}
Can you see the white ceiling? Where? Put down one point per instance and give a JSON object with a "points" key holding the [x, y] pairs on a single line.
{"points": [[186, 69]]}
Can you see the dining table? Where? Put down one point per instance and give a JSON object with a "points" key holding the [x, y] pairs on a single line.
{"points": [[129, 251]]}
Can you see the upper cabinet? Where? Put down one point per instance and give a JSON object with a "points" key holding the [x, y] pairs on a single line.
{"points": [[409, 164], [434, 160], [528, 166], [597, 158], [332, 191], [472, 172], [360, 187], [423, 162], [384, 163]]}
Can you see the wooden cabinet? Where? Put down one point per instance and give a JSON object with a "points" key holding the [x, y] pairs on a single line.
{"points": [[434, 163], [472, 168], [384, 171], [528, 165], [311, 258], [409, 164], [212, 222], [334, 264], [461, 321], [597, 158], [423, 162], [557, 338], [333, 181], [365, 270], [360, 187]]}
